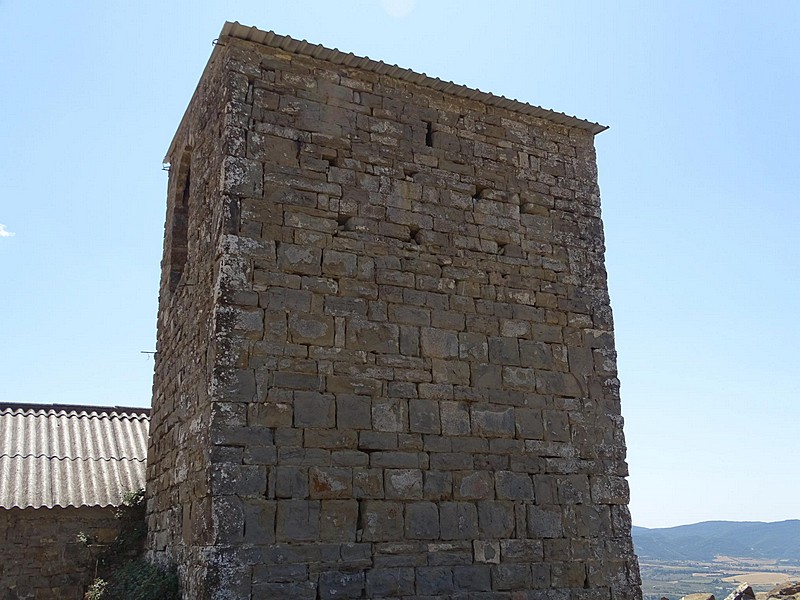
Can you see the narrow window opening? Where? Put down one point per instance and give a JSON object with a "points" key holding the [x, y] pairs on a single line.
{"points": [[479, 191], [429, 134], [179, 242]]}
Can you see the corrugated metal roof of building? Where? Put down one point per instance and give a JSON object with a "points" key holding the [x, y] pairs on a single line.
{"points": [[61, 455]]}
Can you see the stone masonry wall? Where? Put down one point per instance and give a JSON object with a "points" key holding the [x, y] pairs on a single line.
{"points": [[401, 313], [180, 448], [40, 555]]}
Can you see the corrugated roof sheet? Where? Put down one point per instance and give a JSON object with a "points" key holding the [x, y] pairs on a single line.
{"points": [[289, 44], [59, 455]]}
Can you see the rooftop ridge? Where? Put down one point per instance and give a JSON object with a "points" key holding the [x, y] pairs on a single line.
{"points": [[74, 459], [27, 408]]}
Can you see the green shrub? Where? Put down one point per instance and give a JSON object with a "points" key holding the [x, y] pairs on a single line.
{"points": [[136, 580], [123, 572]]}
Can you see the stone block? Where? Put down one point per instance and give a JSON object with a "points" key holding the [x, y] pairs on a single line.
{"points": [[409, 315], [434, 581], [504, 351], [368, 483], [512, 577], [353, 412], [305, 260], [609, 490], [472, 578], [339, 264], [474, 485], [337, 306], [519, 378], [437, 343], [495, 519], [423, 416], [371, 336], [450, 371], [277, 414], [381, 521], [545, 522], [513, 486], [401, 389], [268, 573], [334, 439], [422, 521], [376, 440], [242, 177], [228, 517], [290, 481], [242, 480], [558, 384], [568, 574], [389, 414], [338, 584], [473, 347], [492, 421], [390, 583], [330, 482], [484, 375], [259, 521], [316, 330], [573, 489], [458, 520], [536, 355], [297, 381], [455, 418], [297, 521], [438, 485], [403, 484], [556, 426], [486, 551], [270, 148], [302, 590], [524, 551], [312, 409], [529, 423]]}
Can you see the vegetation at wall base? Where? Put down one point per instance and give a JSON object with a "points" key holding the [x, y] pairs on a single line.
{"points": [[124, 574], [136, 580]]}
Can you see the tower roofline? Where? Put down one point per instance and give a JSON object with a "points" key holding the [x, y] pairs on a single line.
{"points": [[236, 30]]}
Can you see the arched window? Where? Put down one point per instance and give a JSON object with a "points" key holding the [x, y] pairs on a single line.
{"points": [[179, 241]]}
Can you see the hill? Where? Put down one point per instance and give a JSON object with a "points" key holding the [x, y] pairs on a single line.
{"points": [[704, 541]]}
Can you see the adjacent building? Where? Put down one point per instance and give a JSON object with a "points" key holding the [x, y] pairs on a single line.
{"points": [[63, 471]]}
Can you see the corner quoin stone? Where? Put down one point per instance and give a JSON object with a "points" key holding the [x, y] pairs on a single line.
{"points": [[386, 363]]}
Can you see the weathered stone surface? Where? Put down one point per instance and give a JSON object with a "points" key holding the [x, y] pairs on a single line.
{"points": [[386, 367], [41, 554], [742, 592], [422, 521], [459, 520]]}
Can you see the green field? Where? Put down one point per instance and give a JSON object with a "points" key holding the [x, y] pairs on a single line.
{"points": [[678, 578]]}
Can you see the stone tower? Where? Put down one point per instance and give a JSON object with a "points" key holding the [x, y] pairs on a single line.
{"points": [[386, 363]]}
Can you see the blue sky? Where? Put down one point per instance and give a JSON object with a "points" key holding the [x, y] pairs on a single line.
{"points": [[698, 175]]}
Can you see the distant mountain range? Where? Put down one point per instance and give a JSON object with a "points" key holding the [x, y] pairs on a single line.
{"points": [[704, 541]]}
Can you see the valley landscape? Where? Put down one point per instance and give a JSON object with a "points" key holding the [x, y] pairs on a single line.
{"points": [[716, 556]]}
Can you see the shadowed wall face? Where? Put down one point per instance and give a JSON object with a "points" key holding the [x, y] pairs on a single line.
{"points": [[410, 376]]}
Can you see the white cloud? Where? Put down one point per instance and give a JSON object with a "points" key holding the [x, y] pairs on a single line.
{"points": [[4, 232]]}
